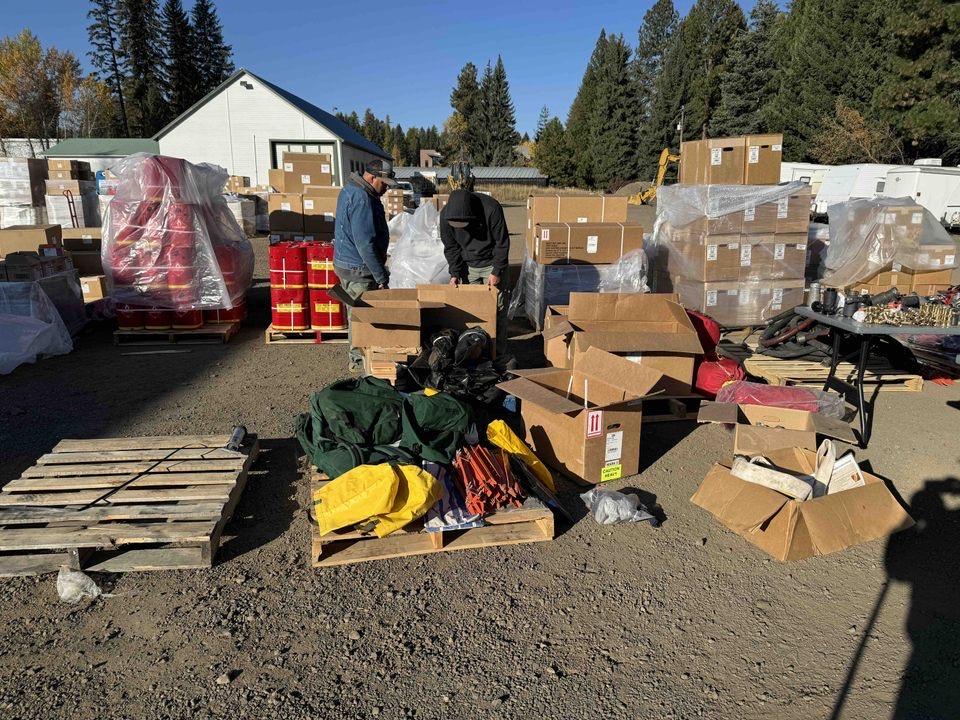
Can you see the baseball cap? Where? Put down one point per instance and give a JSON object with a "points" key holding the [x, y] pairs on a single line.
{"points": [[382, 169]]}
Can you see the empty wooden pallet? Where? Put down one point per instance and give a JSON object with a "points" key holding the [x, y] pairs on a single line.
{"points": [[806, 373], [531, 523], [123, 504]]}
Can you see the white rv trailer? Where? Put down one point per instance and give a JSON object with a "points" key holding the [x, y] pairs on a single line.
{"points": [[846, 182], [935, 187], [810, 173]]}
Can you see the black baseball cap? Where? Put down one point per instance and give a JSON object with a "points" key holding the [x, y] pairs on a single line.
{"points": [[382, 169]]}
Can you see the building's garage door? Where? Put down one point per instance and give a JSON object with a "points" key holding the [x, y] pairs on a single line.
{"points": [[279, 148]]}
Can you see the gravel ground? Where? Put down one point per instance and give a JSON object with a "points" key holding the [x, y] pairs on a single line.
{"points": [[682, 621]]}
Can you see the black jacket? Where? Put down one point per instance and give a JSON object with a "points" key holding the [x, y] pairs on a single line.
{"points": [[485, 241]]}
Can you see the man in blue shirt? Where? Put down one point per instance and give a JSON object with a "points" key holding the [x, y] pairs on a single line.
{"points": [[361, 236]]}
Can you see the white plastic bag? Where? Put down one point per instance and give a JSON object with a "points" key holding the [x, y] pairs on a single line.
{"points": [[610, 507], [30, 326], [417, 256], [74, 586]]}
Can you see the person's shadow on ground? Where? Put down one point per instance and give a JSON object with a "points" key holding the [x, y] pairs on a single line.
{"points": [[927, 556]]}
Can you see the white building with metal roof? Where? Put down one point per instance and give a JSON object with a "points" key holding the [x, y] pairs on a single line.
{"points": [[247, 123]]}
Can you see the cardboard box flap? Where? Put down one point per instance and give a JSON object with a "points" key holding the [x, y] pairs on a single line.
{"points": [[530, 391], [740, 505], [853, 516], [718, 412], [619, 372], [625, 340], [833, 428], [562, 328], [619, 306], [387, 316], [773, 417]]}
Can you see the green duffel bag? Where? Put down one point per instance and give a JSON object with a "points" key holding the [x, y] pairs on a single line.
{"points": [[433, 426]]}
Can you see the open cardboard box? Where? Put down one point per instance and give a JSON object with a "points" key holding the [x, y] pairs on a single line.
{"points": [[585, 422], [652, 330], [759, 430], [789, 529], [400, 318]]}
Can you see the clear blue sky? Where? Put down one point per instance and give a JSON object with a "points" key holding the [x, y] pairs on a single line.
{"points": [[400, 59]]}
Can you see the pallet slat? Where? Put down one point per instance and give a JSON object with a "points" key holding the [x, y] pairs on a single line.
{"points": [[304, 337], [207, 335], [170, 517], [806, 373], [158, 442], [92, 482]]}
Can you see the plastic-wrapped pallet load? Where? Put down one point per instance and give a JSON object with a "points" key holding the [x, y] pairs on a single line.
{"points": [[873, 240], [30, 326], [735, 252], [86, 206], [21, 192], [244, 212], [416, 257], [542, 285], [169, 239]]}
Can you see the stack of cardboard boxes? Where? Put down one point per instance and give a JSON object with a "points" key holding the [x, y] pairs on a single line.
{"points": [[32, 252], [21, 191], [304, 205], [569, 239], [747, 160], [71, 194], [393, 202], [438, 201]]}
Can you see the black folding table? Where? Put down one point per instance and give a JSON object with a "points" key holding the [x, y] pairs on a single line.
{"points": [[844, 327]]}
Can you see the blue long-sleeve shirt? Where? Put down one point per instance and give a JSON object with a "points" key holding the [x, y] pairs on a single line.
{"points": [[361, 236]]}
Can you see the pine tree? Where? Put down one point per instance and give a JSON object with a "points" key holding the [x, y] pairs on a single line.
{"points": [[541, 123], [147, 110], [180, 57], [667, 105], [413, 145], [654, 38], [580, 118], [105, 56], [501, 122], [386, 141], [372, 127], [552, 155], [400, 145], [750, 79], [478, 130], [710, 30], [214, 63], [612, 127], [921, 96], [466, 102]]}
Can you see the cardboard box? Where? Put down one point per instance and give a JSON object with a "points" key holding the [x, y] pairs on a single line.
{"points": [[933, 257], [648, 329], [319, 215], [719, 161], [87, 262], [286, 212], [760, 430], [93, 287], [23, 266], [22, 181], [293, 159], [295, 182], [793, 212], [71, 166], [573, 209], [762, 159], [739, 303], [319, 191], [587, 243], [397, 318], [710, 258], [82, 238], [790, 529], [585, 421], [275, 178], [760, 219], [438, 201], [75, 187], [28, 238]]}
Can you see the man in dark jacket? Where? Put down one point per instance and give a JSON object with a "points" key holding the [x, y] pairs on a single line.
{"points": [[361, 236], [476, 244]]}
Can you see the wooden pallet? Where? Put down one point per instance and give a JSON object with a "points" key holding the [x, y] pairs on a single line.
{"points": [[178, 494], [806, 373], [531, 523], [304, 337], [206, 335], [671, 409], [382, 362]]}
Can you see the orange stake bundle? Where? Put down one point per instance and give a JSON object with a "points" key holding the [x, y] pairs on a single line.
{"points": [[486, 480]]}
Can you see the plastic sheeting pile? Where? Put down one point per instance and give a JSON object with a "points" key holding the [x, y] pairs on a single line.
{"points": [[30, 326], [868, 236], [543, 285], [416, 256], [169, 238]]}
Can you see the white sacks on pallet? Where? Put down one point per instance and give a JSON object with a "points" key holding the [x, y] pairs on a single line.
{"points": [[11, 215]]}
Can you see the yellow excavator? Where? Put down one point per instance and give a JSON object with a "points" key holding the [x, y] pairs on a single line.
{"points": [[650, 194]]}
